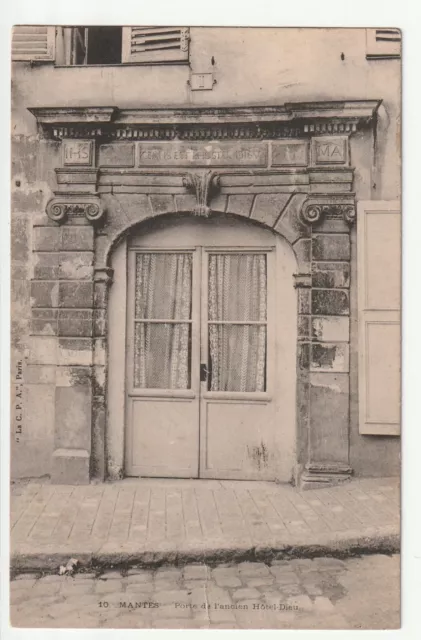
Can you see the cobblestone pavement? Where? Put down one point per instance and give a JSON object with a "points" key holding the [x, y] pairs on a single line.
{"points": [[324, 593], [134, 515]]}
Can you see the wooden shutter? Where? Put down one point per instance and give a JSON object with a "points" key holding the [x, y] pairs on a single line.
{"points": [[33, 43], [155, 44], [379, 297], [383, 43]]}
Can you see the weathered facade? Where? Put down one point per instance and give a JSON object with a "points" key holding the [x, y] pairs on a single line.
{"points": [[274, 144]]}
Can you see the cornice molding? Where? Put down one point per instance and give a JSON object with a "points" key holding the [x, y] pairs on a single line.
{"points": [[187, 123], [73, 115]]}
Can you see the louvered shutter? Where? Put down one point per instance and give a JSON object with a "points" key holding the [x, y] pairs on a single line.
{"points": [[155, 44], [33, 43], [379, 329], [383, 43]]}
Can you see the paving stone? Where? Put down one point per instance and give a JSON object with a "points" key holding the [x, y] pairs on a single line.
{"points": [[80, 501], [176, 595], [109, 586], [111, 575], [243, 594], [168, 573], [253, 569], [323, 604], [284, 564], [22, 585], [22, 577], [369, 599], [140, 587], [313, 590], [80, 577], [288, 590], [45, 588], [77, 587], [329, 564], [260, 582], [195, 584], [284, 577], [166, 585], [303, 564], [227, 580], [302, 601], [52, 578], [195, 572], [139, 576]]}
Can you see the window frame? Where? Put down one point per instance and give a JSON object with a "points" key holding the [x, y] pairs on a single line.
{"points": [[65, 54]]}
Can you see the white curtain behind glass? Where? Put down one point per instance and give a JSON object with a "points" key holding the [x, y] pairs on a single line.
{"points": [[237, 294], [162, 292]]}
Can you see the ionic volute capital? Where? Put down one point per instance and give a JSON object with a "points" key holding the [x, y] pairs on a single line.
{"points": [[315, 210], [62, 207]]}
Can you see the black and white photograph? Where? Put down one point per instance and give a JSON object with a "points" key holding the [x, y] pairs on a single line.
{"points": [[205, 327]]}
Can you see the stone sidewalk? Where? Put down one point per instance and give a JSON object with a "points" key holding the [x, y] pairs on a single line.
{"points": [[155, 521]]}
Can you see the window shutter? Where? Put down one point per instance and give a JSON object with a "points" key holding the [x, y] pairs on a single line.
{"points": [[383, 43], [155, 44], [33, 43], [379, 295]]}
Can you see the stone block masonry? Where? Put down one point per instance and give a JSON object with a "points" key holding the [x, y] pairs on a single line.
{"points": [[62, 296], [328, 446]]}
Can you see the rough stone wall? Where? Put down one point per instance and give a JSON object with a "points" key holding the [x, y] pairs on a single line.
{"points": [[33, 391]]}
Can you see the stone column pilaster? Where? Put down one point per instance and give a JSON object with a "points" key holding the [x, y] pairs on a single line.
{"points": [[328, 373]]}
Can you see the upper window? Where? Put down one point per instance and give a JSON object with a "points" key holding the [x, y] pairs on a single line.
{"points": [[100, 45]]}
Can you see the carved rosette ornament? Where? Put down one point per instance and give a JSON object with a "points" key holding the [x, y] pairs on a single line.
{"points": [[313, 212], [203, 185], [61, 208]]}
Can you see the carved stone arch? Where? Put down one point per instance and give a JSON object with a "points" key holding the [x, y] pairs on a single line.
{"points": [[279, 212]]}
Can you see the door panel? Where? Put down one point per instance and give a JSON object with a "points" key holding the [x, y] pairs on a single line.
{"points": [[238, 440], [165, 440], [163, 363], [237, 410]]}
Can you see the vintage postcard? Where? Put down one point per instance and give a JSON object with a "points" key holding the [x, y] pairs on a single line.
{"points": [[206, 341]]}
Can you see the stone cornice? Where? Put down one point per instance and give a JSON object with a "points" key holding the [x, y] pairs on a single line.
{"points": [[72, 115], [288, 120]]}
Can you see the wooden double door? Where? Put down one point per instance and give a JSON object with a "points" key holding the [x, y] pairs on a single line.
{"points": [[201, 372]]}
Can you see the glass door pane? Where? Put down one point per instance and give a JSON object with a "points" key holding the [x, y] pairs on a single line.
{"points": [[237, 321], [162, 322]]}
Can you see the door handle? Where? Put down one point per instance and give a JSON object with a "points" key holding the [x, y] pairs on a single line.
{"points": [[203, 372]]}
